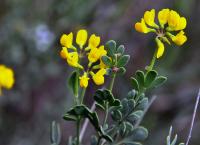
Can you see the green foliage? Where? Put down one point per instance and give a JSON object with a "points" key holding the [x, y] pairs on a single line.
{"points": [[115, 59], [55, 133], [104, 97], [145, 81], [126, 117], [80, 112], [74, 82], [173, 141]]}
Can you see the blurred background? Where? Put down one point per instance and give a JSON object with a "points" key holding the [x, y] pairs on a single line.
{"points": [[29, 43]]}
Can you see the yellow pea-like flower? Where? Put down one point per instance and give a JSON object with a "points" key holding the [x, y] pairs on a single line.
{"points": [[149, 18], [180, 38], [81, 37], [84, 80], [93, 55], [181, 24], [6, 78], [173, 20], [64, 53], [66, 40], [161, 48], [98, 78], [163, 16], [141, 27], [72, 60], [94, 41], [96, 53]]}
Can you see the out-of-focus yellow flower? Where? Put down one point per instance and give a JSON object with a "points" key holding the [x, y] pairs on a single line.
{"points": [[149, 18], [94, 41], [81, 38], [98, 78], [6, 78], [96, 53], [84, 80], [163, 16], [141, 27], [161, 48], [180, 38], [169, 21], [66, 40]]}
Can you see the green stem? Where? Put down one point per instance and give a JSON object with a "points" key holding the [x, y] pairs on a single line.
{"points": [[112, 82], [82, 95], [106, 115], [152, 62], [77, 131]]}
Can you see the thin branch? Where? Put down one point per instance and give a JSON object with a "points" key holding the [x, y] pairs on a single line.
{"points": [[193, 118], [85, 124]]}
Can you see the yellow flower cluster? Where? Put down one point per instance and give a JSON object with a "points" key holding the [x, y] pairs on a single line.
{"points": [[6, 78], [90, 49], [169, 22]]}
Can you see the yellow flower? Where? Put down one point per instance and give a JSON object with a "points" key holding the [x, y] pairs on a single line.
{"points": [[163, 16], [84, 80], [169, 20], [64, 53], [81, 38], [66, 40], [102, 65], [96, 53], [181, 24], [94, 41], [6, 77], [161, 48], [141, 27], [98, 78], [173, 20], [72, 60], [180, 38], [149, 18]]}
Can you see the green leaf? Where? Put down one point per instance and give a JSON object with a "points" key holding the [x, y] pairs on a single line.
{"points": [[104, 97], [122, 129], [140, 78], [131, 104], [74, 82], [150, 77], [143, 103], [81, 111], [111, 48], [125, 107], [135, 116], [134, 83], [55, 133], [139, 134], [106, 60], [131, 94], [121, 71], [123, 60], [159, 81], [116, 115], [120, 49], [69, 117]]}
